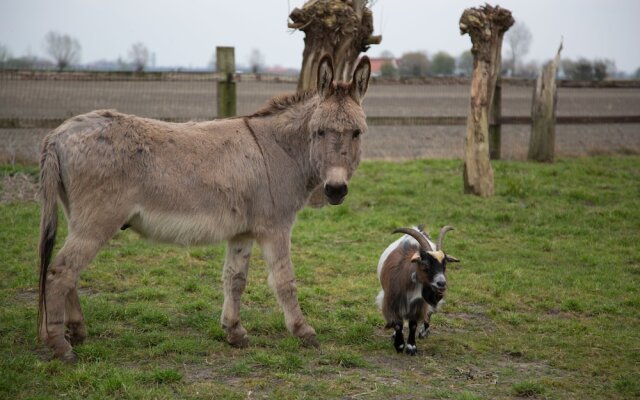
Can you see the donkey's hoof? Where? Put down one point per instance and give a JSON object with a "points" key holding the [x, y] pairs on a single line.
{"points": [[68, 358], [76, 333], [76, 339], [239, 342], [311, 342]]}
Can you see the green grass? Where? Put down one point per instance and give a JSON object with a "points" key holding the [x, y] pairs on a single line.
{"points": [[545, 303]]}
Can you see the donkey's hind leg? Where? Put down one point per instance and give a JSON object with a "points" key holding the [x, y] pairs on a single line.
{"points": [[236, 267], [74, 319], [61, 280]]}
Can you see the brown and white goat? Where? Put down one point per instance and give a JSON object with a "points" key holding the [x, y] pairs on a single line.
{"points": [[412, 275]]}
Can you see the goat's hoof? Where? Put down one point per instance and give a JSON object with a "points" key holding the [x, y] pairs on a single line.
{"points": [[311, 342], [400, 348], [423, 333], [411, 350]]}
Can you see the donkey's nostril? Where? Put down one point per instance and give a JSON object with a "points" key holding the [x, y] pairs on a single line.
{"points": [[335, 193]]}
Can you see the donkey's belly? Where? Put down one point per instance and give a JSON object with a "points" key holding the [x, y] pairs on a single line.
{"points": [[185, 228]]}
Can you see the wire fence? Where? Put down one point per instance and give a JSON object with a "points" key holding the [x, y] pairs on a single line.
{"points": [[407, 118]]}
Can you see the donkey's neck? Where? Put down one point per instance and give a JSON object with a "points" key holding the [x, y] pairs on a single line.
{"points": [[288, 129]]}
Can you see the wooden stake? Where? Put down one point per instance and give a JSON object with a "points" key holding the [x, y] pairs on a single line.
{"points": [[543, 113]]}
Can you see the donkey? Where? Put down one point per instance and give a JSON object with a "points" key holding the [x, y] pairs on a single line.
{"points": [[239, 179]]}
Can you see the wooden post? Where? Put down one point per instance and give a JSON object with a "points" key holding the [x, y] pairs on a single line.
{"points": [[226, 65], [543, 113], [486, 27], [495, 122]]}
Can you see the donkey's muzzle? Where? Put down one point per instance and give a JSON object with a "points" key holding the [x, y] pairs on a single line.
{"points": [[335, 193]]}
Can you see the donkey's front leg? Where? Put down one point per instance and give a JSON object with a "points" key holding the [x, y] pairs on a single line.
{"points": [[275, 250], [236, 267]]}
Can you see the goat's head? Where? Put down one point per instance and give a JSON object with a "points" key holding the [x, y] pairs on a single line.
{"points": [[431, 264]]}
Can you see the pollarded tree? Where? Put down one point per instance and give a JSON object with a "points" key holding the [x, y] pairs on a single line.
{"points": [[442, 64], [139, 56], [339, 28], [64, 49], [486, 26]]}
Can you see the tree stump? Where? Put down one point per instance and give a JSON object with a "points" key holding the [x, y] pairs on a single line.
{"points": [[486, 27], [341, 28], [543, 113]]}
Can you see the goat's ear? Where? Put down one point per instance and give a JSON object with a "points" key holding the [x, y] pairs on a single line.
{"points": [[415, 257], [325, 76], [451, 258], [360, 81]]}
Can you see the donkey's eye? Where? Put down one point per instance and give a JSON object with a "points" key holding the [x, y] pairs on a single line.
{"points": [[320, 133], [356, 133]]}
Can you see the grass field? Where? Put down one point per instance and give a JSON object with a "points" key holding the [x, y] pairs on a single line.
{"points": [[545, 303]]}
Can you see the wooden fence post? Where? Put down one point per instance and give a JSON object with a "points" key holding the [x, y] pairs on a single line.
{"points": [[495, 122], [543, 113], [226, 65]]}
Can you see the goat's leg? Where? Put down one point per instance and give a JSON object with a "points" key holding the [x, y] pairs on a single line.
{"points": [[398, 336], [61, 279], [236, 268], [424, 330], [275, 250], [74, 319], [411, 340]]}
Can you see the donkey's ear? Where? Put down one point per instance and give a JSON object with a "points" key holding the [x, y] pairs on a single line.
{"points": [[360, 81], [325, 76]]}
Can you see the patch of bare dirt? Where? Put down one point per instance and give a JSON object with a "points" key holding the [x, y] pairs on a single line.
{"points": [[18, 187]]}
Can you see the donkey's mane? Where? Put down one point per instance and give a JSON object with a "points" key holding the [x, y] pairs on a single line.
{"points": [[280, 103]]}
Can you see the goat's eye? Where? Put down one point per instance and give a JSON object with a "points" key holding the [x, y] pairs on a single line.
{"points": [[356, 133], [320, 133]]}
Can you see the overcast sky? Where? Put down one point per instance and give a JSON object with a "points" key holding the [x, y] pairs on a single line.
{"points": [[185, 32]]}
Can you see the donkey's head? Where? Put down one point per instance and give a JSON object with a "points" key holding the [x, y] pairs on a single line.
{"points": [[336, 126]]}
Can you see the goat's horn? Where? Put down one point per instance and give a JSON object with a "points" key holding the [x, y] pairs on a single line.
{"points": [[424, 243], [443, 232]]}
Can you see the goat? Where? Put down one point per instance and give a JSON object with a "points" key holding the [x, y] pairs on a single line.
{"points": [[412, 275]]}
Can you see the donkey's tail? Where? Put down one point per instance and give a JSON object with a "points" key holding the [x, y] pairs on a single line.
{"points": [[49, 184]]}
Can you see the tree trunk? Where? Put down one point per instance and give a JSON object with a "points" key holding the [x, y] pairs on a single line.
{"points": [[486, 27], [341, 28], [543, 113]]}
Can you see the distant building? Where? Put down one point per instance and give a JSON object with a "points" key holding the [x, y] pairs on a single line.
{"points": [[377, 63]]}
